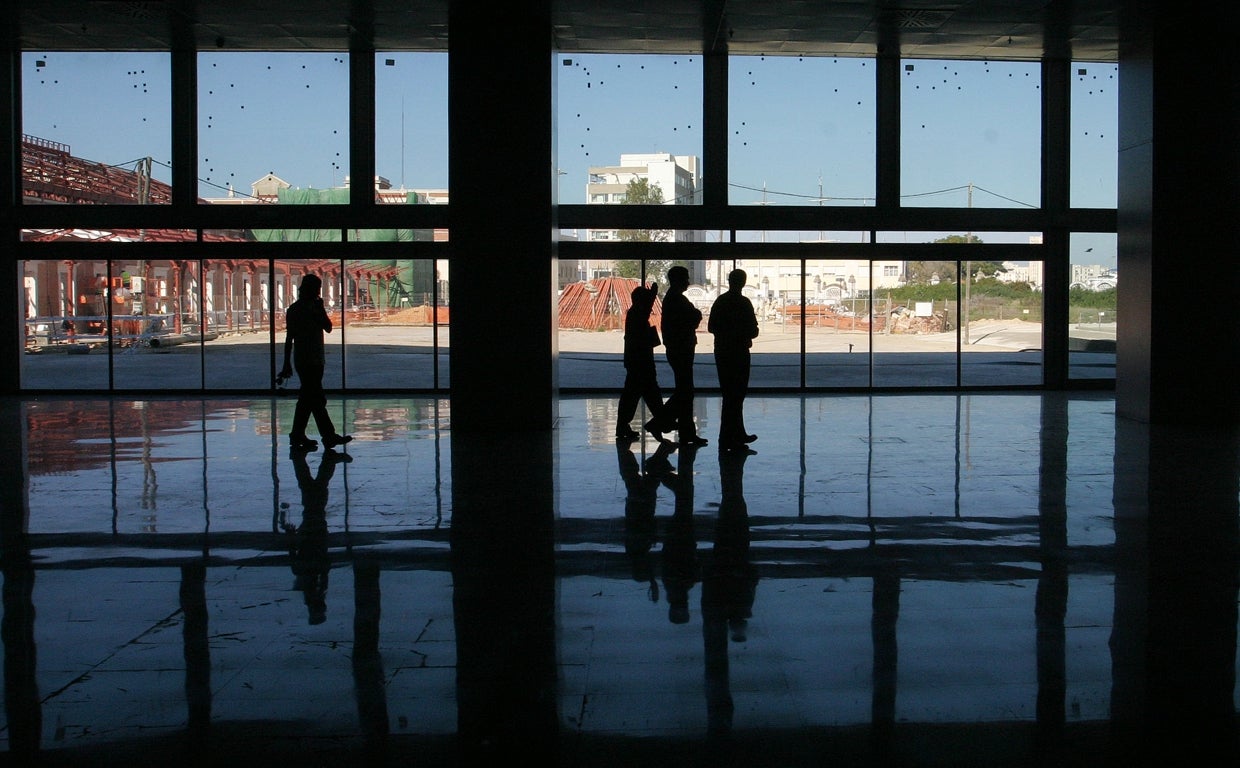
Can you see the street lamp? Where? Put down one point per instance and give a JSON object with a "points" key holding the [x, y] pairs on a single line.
{"points": [[852, 291]]}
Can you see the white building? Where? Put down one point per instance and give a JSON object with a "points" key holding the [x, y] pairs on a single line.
{"points": [[679, 178], [1022, 272], [827, 281], [1094, 277]]}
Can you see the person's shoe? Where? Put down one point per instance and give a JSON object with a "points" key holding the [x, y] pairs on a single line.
{"points": [[655, 430], [749, 438], [734, 446], [696, 441], [302, 443], [627, 434], [331, 441]]}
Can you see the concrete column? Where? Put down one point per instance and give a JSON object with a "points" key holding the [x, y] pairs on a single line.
{"points": [[501, 177], [1179, 190]]}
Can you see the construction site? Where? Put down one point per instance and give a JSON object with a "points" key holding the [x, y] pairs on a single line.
{"points": [[152, 302], [80, 304]]}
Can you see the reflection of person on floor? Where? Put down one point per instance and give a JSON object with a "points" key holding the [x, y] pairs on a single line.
{"points": [[729, 583], [368, 675], [639, 507], [308, 542], [681, 569]]}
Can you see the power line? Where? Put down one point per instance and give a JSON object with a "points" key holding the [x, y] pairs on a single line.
{"points": [[819, 198]]}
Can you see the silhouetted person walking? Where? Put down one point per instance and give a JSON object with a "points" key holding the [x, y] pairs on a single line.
{"points": [[641, 381], [306, 323], [735, 326], [680, 323]]}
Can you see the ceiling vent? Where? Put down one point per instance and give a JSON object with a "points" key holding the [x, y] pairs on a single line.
{"points": [[915, 18]]}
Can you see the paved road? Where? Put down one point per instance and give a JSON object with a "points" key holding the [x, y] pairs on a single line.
{"points": [[387, 357]]}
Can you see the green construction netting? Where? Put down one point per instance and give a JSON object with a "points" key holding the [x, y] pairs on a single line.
{"points": [[415, 278], [335, 197]]}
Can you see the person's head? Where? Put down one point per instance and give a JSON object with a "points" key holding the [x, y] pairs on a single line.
{"points": [[736, 279], [643, 297], [311, 286], [678, 277]]}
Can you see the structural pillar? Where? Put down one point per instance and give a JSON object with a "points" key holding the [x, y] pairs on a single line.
{"points": [[1179, 190], [501, 173]]}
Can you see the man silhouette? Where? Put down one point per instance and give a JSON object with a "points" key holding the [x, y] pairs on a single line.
{"points": [[641, 379], [680, 324], [735, 326], [306, 323]]}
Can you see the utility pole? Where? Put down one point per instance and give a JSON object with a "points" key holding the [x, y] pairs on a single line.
{"points": [[968, 276], [820, 201]]}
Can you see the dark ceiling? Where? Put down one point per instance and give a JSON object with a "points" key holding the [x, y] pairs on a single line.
{"points": [[1081, 30]]}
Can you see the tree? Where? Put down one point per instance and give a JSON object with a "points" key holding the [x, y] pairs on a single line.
{"points": [[983, 268], [923, 271], [641, 192]]}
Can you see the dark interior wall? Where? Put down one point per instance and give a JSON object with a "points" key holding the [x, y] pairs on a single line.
{"points": [[1179, 190]]}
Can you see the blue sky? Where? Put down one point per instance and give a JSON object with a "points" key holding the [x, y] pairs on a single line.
{"points": [[802, 128]]}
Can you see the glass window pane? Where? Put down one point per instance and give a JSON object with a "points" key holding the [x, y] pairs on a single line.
{"points": [[590, 338], [801, 130], [970, 134], [836, 318], [800, 236], [273, 126], [914, 328], [1095, 135], [411, 123], [1093, 295], [591, 314], [776, 353], [156, 321], [396, 317], [330, 271], [960, 238], [1001, 341], [96, 128], [237, 306], [296, 235], [621, 117], [64, 320]]}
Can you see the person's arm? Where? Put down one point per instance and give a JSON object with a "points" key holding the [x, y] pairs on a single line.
{"points": [[325, 320], [287, 370]]}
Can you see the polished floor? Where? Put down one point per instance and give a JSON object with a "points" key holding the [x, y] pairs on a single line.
{"points": [[990, 579]]}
